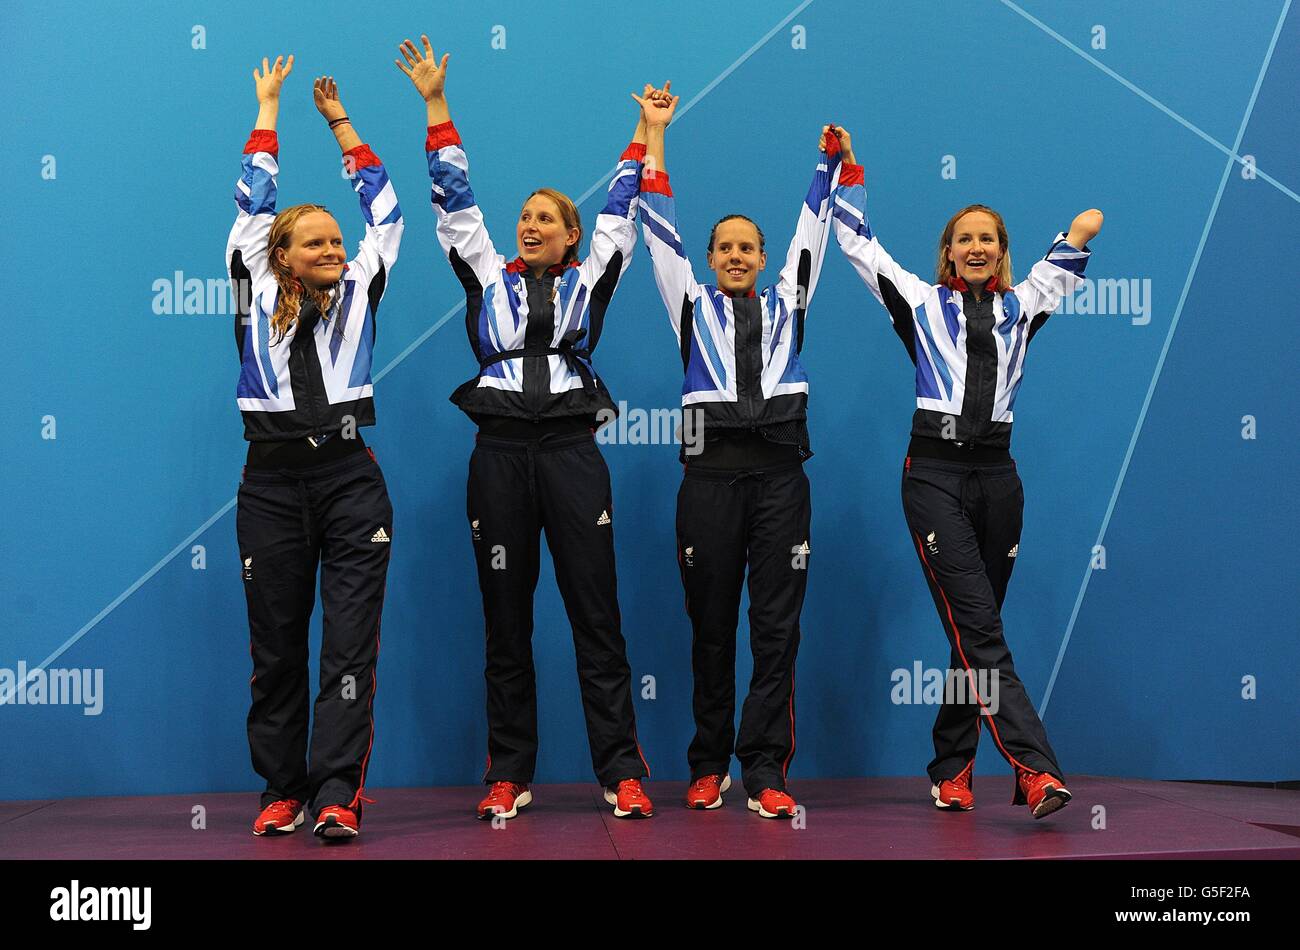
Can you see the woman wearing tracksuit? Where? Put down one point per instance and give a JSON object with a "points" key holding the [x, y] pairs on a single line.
{"points": [[312, 494], [533, 323], [968, 334], [744, 498]]}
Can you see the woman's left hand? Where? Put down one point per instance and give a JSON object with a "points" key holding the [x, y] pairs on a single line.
{"points": [[326, 94], [1084, 228]]}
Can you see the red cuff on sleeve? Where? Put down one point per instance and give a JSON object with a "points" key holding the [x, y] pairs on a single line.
{"points": [[635, 152], [656, 182], [262, 140], [440, 136], [851, 175], [362, 157]]}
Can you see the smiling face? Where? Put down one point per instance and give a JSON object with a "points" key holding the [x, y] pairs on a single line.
{"points": [[544, 236], [736, 255], [975, 249], [314, 252]]}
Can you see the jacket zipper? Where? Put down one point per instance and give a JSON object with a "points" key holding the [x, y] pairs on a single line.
{"points": [[979, 386], [311, 388], [747, 355]]}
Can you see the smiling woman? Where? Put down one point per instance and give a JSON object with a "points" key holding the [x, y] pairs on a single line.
{"points": [[975, 247], [533, 323], [312, 494], [968, 335], [549, 229], [744, 501]]}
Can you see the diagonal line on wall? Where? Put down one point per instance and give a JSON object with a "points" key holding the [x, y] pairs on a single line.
{"points": [[393, 364], [1160, 363], [1230, 152]]}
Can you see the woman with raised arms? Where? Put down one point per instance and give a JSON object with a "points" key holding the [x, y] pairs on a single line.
{"points": [[968, 334], [312, 494], [533, 323], [744, 500]]}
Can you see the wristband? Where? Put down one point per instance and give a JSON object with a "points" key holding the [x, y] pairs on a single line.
{"points": [[340, 121]]}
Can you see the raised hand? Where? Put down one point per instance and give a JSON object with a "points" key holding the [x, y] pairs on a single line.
{"points": [[269, 80], [1084, 228], [423, 69], [658, 106], [325, 92], [845, 140]]}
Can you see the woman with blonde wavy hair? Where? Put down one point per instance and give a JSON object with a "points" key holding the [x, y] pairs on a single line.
{"points": [[312, 495], [968, 335]]}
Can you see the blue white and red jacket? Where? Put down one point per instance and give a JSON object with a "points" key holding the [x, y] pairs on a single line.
{"points": [[740, 355], [307, 384], [532, 336], [969, 353]]}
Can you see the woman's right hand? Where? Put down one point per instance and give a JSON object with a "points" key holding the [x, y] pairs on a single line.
{"points": [[658, 106], [423, 69], [269, 80]]}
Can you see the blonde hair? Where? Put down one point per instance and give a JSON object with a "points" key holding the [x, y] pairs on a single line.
{"points": [[945, 273], [568, 214], [292, 290]]}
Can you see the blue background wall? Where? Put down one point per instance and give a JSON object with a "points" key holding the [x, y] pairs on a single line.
{"points": [[146, 131]]}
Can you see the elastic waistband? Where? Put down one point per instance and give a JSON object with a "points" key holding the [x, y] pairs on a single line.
{"points": [[962, 452], [291, 476], [959, 468], [731, 474], [547, 443]]}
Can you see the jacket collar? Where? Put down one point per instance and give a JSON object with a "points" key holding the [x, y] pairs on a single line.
{"points": [[517, 266], [956, 283]]}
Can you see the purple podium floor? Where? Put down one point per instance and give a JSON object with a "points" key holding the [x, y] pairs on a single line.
{"points": [[844, 818]]}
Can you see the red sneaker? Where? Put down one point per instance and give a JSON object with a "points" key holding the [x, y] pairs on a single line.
{"points": [[772, 803], [504, 799], [629, 799], [279, 818], [707, 792], [337, 821], [955, 794], [1044, 792]]}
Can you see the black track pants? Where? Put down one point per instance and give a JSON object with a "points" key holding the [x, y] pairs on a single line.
{"points": [[517, 489], [965, 522], [336, 516], [724, 521]]}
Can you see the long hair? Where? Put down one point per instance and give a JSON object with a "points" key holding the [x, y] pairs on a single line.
{"points": [[292, 290], [945, 272], [568, 214]]}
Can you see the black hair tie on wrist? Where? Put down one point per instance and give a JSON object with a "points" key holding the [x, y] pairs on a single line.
{"points": [[334, 122]]}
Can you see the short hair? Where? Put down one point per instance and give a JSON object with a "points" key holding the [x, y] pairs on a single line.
{"points": [[732, 217]]}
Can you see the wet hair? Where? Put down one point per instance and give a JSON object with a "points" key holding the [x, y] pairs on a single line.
{"points": [[945, 271], [733, 217], [568, 214], [292, 290]]}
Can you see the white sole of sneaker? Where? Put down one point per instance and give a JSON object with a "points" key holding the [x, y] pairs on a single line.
{"points": [[332, 829], [754, 805], [1055, 800], [288, 829], [524, 798], [700, 806], [934, 793], [635, 812]]}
